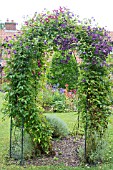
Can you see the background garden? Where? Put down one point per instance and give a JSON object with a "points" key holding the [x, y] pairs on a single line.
{"points": [[58, 91]]}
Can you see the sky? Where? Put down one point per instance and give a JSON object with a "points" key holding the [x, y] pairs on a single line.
{"points": [[18, 10]]}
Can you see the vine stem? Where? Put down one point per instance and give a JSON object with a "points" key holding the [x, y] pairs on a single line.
{"points": [[86, 126], [10, 150], [22, 143]]}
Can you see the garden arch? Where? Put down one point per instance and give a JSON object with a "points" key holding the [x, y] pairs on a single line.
{"points": [[59, 31]]}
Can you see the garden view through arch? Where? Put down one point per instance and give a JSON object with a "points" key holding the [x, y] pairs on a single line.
{"points": [[41, 36]]}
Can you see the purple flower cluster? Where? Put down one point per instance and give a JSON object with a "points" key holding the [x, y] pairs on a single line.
{"points": [[27, 47], [65, 43], [100, 41], [14, 51], [10, 45], [61, 90], [6, 39]]}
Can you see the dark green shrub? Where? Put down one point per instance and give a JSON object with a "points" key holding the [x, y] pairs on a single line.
{"points": [[59, 127], [63, 70]]}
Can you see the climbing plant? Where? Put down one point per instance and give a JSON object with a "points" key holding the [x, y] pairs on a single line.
{"points": [[46, 33], [95, 87]]}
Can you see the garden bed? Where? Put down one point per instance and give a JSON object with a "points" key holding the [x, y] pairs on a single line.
{"points": [[65, 152]]}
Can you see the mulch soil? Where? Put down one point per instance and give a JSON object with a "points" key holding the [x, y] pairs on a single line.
{"points": [[65, 152]]}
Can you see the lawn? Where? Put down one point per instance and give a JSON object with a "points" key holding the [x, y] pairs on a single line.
{"points": [[70, 119], [4, 135]]}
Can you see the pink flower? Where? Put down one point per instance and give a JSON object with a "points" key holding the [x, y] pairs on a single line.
{"points": [[66, 85]]}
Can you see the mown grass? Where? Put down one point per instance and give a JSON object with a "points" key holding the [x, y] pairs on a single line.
{"points": [[70, 119], [4, 135]]}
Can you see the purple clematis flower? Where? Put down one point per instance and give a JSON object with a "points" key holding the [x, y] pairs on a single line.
{"points": [[62, 90], [10, 45], [14, 51]]}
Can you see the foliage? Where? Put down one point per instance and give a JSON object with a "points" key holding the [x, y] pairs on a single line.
{"points": [[55, 99], [59, 127], [59, 31], [94, 85], [101, 154], [58, 104], [2, 25], [63, 68], [70, 118], [0, 48], [16, 145]]}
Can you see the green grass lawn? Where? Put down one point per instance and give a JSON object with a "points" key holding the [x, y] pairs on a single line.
{"points": [[70, 119], [4, 135]]}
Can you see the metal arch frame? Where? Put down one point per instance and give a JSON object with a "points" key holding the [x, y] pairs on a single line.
{"points": [[22, 140]]}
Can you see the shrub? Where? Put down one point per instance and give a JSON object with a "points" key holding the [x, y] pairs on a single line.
{"points": [[59, 127], [16, 145], [58, 106], [52, 98], [59, 101], [101, 154], [63, 69]]}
